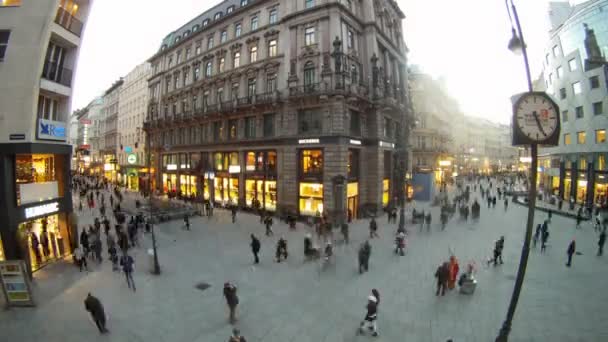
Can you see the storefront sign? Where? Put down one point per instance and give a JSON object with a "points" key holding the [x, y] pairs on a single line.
{"points": [[250, 167], [51, 130], [171, 167], [16, 137], [84, 147], [131, 159], [15, 283], [85, 121], [355, 142], [38, 192], [234, 169], [41, 210], [445, 163], [108, 167], [128, 149], [386, 144], [308, 141]]}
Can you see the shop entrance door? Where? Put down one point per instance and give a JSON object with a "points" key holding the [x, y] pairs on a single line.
{"points": [[353, 204]]}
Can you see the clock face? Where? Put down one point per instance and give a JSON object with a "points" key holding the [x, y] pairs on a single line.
{"points": [[536, 117]]}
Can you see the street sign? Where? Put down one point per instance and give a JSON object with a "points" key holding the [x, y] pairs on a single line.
{"points": [[131, 159], [16, 283]]}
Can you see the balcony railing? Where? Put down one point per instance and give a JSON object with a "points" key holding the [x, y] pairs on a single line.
{"points": [[311, 88], [53, 72], [68, 22]]}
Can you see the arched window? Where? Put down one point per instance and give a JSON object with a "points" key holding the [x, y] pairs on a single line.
{"points": [[309, 75], [208, 69]]}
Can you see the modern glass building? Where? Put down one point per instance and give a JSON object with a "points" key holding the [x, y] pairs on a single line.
{"points": [[575, 73]]}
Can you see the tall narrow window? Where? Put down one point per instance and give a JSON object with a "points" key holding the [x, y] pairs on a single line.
{"points": [[208, 69], [309, 3], [222, 63], [250, 127], [254, 23], [271, 83], [210, 43], [235, 90], [220, 95], [268, 125], [350, 39], [236, 59], [272, 48], [253, 54], [251, 88], [238, 30], [273, 16], [309, 36], [223, 36], [197, 72], [309, 75], [576, 88]]}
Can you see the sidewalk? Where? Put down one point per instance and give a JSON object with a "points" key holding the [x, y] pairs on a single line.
{"points": [[546, 207]]}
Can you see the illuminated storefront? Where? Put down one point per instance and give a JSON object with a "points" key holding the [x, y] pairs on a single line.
{"points": [[46, 240], [352, 194], [311, 182], [386, 195], [207, 181], [567, 185], [581, 188], [260, 181], [187, 185], [352, 188], [601, 190], [169, 183], [2, 258], [226, 190]]}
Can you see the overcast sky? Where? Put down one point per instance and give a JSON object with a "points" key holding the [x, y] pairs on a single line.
{"points": [[464, 41]]}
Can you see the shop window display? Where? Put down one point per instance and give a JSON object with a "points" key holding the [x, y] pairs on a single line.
{"points": [[312, 162], [311, 199], [2, 257], [45, 240], [38, 168], [385, 192]]}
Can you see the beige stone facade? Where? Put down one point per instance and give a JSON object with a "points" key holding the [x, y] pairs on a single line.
{"points": [[287, 79]]}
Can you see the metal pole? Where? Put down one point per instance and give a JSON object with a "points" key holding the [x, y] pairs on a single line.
{"points": [[156, 270], [503, 335]]}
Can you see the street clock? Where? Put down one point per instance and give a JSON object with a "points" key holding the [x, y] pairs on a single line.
{"points": [[535, 120]]}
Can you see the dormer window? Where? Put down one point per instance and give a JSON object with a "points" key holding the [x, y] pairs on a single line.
{"points": [[195, 28], [244, 2], [186, 34], [205, 22], [230, 9], [217, 16], [177, 39]]}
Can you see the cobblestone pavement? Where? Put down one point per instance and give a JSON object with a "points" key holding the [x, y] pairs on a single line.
{"points": [[295, 302]]}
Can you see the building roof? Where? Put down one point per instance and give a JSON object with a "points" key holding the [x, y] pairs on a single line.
{"points": [[196, 24]]}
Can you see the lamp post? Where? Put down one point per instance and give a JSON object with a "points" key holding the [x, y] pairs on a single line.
{"points": [[518, 45], [156, 269]]}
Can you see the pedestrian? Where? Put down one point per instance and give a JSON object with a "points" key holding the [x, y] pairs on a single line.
{"points": [[498, 246], [84, 242], [454, 268], [97, 249], [579, 217], [549, 215], [186, 222], [268, 223], [236, 336], [536, 235], [128, 266], [113, 257], [281, 249], [543, 240], [95, 308], [442, 274], [364, 253], [598, 222], [370, 317], [428, 219], [344, 231], [80, 259], [601, 242], [232, 300], [373, 228], [233, 212], [255, 248], [571, 251]]}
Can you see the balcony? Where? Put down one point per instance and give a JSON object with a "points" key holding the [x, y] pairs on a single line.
{"points": [[68, 22], [56, 73], [304, 90]]}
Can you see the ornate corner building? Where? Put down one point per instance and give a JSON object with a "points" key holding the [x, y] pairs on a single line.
{"points": [[284, 105], [39, 45]]}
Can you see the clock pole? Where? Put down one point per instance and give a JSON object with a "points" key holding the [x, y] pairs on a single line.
{"points": [[517, 42]]}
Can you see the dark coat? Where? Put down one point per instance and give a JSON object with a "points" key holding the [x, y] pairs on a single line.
{"points": [[442, 274], [126, 261], [94, 306], [572, 248], [372, 311], [602, 239], [255, 244], [230, 294]]}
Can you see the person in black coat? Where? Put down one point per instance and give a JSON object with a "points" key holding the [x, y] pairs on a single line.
{"points": [[571, 251], [601, 242], [84, 242], [232, 300], [281, 249], [95, 308], [255, 248], [364, 253], [370, 317]]}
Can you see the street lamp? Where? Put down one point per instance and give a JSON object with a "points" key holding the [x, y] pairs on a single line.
{"points": [[156, 269], [518, 45]]}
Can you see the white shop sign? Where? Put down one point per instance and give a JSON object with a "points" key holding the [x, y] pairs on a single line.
{"points": [[38, 192], [41, 210]]}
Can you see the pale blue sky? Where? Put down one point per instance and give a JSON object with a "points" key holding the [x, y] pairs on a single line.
{"points": [[464, 41]]}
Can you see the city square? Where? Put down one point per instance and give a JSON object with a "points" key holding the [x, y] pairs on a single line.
{"points": [[293, 301]]}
